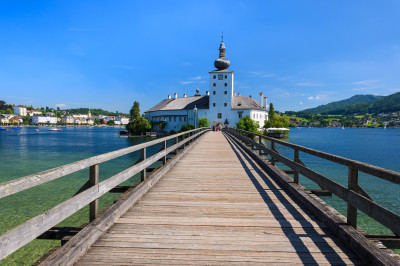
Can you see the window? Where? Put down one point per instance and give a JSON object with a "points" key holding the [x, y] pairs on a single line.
{"points": [[214, 85], [180, 119], [220, 77], [169, 119], [226, 92], [219, 115], [174, 118], [240, 114], [184, 118], [214, 91], [226, 84], [214, 104], [214, 77], [226, 76], [225, 104]]}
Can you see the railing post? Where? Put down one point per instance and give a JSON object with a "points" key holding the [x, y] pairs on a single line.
{"points": [[352, 185], [176, 141], [296, 160], [260, 142], [93, 180], [164, 148], [273, 149], [142, 158]]}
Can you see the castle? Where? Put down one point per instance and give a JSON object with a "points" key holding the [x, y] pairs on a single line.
{"points": [[220, 105]]}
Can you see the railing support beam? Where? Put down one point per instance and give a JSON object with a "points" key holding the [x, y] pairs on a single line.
{"points": [[142, 158], [296, 159], [352, 185], [93, 180]]}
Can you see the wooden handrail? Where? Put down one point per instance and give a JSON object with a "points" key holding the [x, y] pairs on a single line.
{"points": [[383, 173], [23, 183], [19, 236], [353, 195]]}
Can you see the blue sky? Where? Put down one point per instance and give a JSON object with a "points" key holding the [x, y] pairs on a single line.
{"points": [[107, 54]]}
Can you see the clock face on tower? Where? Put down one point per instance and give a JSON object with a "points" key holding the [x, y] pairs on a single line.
{"points": [[220, 76]]}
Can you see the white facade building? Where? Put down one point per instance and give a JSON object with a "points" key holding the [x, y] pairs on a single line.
{"points": [[220, 105], [19, 110], [121, 120], [40, 119]]}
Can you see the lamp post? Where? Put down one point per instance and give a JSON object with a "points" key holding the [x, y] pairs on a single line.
{"points": [[195, 116]]}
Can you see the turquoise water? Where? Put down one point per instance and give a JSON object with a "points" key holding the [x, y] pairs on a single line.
{"points": [[31, 152], [26, 151], [379, 147]]}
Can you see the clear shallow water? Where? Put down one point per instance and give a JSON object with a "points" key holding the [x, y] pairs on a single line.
{"points": [[379, 147], [32, 152]]}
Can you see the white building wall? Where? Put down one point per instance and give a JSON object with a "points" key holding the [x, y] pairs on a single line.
{"points": [[221, 93], [21, 111], [38, 119]]}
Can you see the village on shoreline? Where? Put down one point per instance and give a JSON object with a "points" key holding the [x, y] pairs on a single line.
{"points": [[31, 117]]}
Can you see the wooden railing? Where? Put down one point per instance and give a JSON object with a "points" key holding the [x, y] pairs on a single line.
{"points": [[354, 195], [90, 192]]}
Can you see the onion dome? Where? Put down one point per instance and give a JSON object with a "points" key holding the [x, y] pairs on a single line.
{"points": [[222, 63]]}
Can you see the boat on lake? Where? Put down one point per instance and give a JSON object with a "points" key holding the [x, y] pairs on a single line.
{"points": [[1, 128], [55, 129], [16, 128], [277, 132]]}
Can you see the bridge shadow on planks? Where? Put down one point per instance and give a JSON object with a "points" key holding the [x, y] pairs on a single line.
{"points": [[295, 238]]}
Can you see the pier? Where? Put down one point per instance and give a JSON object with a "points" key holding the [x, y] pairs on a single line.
{"points": [[218, 198]]}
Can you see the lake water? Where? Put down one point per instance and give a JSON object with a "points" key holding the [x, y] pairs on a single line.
{"points": [[31, 152], [379, 147]]}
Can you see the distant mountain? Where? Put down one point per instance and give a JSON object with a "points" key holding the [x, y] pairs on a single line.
{"points": [[386, 104], [356, 99]]}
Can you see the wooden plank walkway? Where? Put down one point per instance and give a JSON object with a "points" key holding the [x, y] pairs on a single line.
{"points": [[217, 207]]}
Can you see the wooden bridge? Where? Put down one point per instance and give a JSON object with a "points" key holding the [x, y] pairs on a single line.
{"points": [[218, 200]]}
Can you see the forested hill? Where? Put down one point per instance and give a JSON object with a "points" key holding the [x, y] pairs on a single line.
{"points": [[93, 112], [356, 99], [386, 104]]}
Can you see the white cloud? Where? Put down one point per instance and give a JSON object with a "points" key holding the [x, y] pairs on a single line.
{"points": [[310, 84], [366, 82], [361, 89], [301, 103], [263, 74], [61, 105], [311, 98], [192, 80]]}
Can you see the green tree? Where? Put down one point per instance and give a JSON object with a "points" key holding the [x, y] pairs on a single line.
{"points": [[186, 128], [138, 125], [135, 111], [9, 111], [271, 112], [26, 119], [277, 121], [203, 122], [110, 122], [246, 123]]}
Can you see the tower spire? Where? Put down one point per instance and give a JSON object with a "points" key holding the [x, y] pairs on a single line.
{"points": [[222, 63]]}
